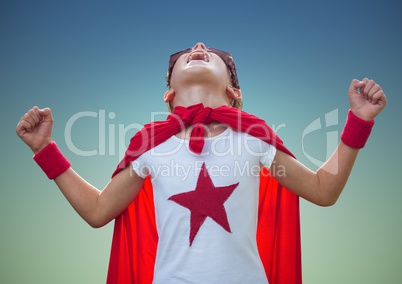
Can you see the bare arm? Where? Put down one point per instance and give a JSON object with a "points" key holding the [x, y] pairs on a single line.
{"points": [[324, 186], [96, 207]]}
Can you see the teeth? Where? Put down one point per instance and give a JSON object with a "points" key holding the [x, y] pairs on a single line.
{"points": [[199, 56]]}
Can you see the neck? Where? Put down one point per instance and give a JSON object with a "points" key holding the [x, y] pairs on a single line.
{"points": [[200, 94], [195, 94]]}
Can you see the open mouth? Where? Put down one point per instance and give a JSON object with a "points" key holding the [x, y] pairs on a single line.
{"points": [[198, 55]]}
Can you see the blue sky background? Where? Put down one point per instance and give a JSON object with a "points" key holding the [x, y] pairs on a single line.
{"points": [[108, 59]]}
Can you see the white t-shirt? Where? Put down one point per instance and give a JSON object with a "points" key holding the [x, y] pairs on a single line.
{"points": [[221, 247]]}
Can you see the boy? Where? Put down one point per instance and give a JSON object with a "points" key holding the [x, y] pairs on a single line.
{"points": [[206, 162]]}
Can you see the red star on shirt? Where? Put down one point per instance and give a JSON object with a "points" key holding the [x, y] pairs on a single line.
{"points": [[205, 201]]}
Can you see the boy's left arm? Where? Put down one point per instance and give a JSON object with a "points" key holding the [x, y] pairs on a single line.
{"points": [[324, 186]]}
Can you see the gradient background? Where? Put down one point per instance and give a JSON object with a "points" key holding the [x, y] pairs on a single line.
{"points": [[295, 62]]}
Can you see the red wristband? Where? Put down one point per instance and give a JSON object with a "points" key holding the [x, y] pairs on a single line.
{"points": [[356, 131], [52, 161]]}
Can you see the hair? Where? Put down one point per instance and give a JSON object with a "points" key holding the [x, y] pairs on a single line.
{"points": [[238, 103]]}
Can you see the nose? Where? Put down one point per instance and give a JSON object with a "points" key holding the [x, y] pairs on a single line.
{"points": [[199, 46]]}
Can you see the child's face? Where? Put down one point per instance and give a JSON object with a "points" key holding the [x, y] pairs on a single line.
{"points": [[200, 65]]}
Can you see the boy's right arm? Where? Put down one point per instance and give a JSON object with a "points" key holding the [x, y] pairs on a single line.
{"points": [[96, 207]]}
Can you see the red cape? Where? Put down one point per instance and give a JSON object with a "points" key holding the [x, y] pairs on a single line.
{"points": [[135, 235]]}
